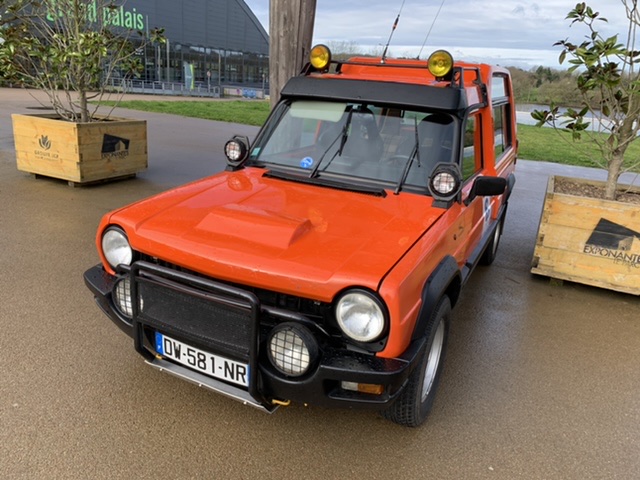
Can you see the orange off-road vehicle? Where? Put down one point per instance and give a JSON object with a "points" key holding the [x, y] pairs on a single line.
{"points": [[321, 267]]}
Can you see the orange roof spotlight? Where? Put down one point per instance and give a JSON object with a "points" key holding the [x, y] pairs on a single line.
{"points": [[320, 57], [441, 64]]}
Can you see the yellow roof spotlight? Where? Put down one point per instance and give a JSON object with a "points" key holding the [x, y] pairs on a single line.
{"points": [[320, 57], [440, 63]]}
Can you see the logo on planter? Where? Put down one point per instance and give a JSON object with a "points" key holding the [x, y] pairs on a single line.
{"points": [[114, 147], [44, 142], [614, 241], [43, 152]]}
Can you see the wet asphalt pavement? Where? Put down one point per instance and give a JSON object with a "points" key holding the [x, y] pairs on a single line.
{"points": [[541, 381]]}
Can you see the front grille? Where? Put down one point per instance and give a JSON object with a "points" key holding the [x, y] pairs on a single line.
{"points": [[317, 311], [213, 316]]}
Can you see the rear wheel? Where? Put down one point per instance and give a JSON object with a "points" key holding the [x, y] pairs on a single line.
{"points": [[416, 400], [490, 252]]}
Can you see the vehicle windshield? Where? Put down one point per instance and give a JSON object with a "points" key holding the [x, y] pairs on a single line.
{"points": [[356, 142]]}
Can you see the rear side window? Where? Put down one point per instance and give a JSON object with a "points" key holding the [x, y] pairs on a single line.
{"points": [[503, 137]]}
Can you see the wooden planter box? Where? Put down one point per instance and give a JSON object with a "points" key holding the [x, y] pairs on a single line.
{"points": [[590, 241], [80, 153]]}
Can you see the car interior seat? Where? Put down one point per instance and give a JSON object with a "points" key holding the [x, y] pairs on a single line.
{"points": [[391, 132], [435, 134], [364, 141]]}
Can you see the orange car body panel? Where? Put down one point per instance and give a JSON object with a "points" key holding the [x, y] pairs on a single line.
{"points": [[267, 233]]}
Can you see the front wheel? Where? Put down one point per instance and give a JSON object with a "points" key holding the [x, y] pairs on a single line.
{"points": [[415, 402], [490, 252]]}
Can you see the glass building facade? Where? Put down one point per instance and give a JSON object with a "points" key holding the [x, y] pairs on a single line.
{"points": [[209, 42]]}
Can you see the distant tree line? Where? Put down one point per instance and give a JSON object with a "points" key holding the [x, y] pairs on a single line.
{"points": [[539, 85], [544, 85]]}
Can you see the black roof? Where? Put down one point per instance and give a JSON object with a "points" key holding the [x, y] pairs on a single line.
{"points": [[395, 94]]}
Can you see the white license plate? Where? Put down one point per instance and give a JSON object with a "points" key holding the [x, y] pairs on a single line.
{"points": [[203, 362]]}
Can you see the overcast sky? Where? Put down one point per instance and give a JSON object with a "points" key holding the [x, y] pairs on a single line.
{"points": [[508, 32]]}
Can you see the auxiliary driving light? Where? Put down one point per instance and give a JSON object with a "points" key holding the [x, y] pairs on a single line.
{"points": [[292, 349], [122, 297], [236, 150], [445, 182], [440, 63], [320, 57]]}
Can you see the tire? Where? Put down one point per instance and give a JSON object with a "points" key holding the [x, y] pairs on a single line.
{"points": [[490, 252], [412, 407]]}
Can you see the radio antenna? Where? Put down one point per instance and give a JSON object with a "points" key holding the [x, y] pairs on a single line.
{"points": [[430, 28], [393, 29]]}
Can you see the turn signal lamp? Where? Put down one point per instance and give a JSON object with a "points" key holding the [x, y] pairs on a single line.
{"points": [[370, 388], [440, 63], [320, 57]]}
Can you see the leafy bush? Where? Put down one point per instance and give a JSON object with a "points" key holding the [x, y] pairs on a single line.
{"points": [[609, 85]]}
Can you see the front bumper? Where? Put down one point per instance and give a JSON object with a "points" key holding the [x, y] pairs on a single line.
{"points": [[268, 387]]}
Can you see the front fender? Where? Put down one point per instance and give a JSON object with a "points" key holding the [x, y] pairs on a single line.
{"points": [[445, 279]]}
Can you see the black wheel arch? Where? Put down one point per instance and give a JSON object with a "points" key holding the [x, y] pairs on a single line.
{"points": [[444, 280]]}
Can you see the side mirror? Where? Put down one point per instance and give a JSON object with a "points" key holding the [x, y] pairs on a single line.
{"points": [[487, 187], [236, 150]]}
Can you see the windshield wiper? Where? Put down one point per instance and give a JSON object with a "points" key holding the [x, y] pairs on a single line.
{"points": [[414, 153], [344, 134]]}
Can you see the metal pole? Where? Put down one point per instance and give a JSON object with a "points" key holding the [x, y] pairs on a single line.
{"points": [[168, 68]]}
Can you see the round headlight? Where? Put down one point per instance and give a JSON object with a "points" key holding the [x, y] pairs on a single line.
{"points": [[360, 316], [440, 63], [116, 248], [292, 349]]}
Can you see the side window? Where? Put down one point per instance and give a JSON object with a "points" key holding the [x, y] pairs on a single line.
{"points": [[498, 86], [498, 131], [472, 152], [501, 115], [501, 130]]}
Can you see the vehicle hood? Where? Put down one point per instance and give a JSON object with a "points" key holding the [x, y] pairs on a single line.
{"points": [[306, 240]]}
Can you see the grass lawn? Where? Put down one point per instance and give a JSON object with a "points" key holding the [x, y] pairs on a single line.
{"points": [[555, 146], [535, 143], [253, 112]]}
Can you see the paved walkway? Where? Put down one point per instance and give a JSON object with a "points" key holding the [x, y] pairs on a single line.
{"points": [[541, 382]]}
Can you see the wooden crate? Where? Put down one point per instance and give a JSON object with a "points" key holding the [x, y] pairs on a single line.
{"points": [[79, 152], [590, 241]]}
